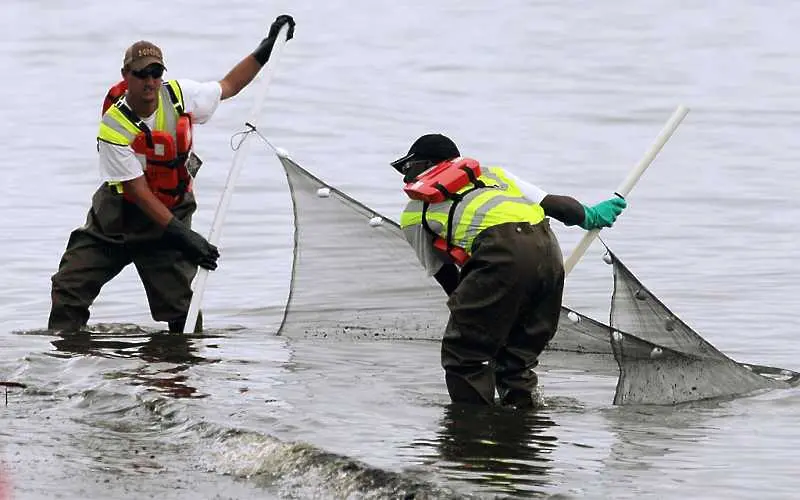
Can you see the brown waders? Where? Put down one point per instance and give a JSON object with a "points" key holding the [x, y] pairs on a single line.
{"points": [[502, 314], [116, 234]]}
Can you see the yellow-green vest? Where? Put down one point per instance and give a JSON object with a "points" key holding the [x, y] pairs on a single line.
{"points": [[117, 126], [499, 202]]}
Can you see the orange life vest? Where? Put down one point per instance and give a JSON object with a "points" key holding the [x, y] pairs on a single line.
{"points": [[114, 94], [440, 183], [166, 156], [444, 180]]}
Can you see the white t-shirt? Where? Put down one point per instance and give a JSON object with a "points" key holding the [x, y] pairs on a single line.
{"points": [[120, 163], [422, 241], [531, 191]]}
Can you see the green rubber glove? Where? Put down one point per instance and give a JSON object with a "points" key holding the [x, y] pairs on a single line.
{"points": [[603, 214]]}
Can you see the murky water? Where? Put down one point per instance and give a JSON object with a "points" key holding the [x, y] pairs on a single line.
{"points": [[566, 94]]}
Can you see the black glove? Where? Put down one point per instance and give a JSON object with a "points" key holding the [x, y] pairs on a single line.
{"points": [[196, 248], [264, 49]]}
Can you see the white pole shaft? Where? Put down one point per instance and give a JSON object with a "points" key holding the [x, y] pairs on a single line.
{"points": [[239, 156], [633, 177]]}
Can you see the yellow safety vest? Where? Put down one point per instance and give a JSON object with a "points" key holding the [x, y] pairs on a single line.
{"points": [[499, 202], [121, 127]]}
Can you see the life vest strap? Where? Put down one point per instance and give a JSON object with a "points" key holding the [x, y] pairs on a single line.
{"points": [[137, 122], [447, 194], [178, 161], [474, 180], [425, 220], [174, 98], [456, 198], [449, 238]]}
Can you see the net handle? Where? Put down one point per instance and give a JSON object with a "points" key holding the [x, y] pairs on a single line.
{"points": [[633, 177], [199, 284]]}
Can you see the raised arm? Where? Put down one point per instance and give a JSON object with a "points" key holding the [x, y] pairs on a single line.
{"points": [[247, 69]]}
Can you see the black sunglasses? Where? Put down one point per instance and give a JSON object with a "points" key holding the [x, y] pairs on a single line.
{"points": [[154, 70], [422, 165], [408, 162]]}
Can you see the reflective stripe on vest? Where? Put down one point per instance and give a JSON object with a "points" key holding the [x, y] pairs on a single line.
{"points": [[480, 209], [116, 128]]}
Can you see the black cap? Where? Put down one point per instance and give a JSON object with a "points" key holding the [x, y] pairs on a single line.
{"points": [[434, 148]]}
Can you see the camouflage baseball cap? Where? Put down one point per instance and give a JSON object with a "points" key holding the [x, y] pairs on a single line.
{"points": [[142, 54]]}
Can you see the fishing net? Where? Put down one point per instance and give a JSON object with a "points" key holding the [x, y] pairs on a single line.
{"points": [[354, 276], [664, 361]]}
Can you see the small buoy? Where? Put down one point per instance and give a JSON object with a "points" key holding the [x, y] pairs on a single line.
{"points": [[573, 317], [323, 192], [281, 152], [616, 336], [376, 221], [656, 352], [669, 324], [640, 294], [607, 258]]}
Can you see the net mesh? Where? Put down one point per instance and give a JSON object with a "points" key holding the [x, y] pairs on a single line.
{"points": [[354, 276], [664, 361]]}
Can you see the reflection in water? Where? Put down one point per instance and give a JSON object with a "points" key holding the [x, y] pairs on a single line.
{"points": [[176, 349], [493, 446], [645, 435]]}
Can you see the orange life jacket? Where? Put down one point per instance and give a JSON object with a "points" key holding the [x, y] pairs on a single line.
{"points": [[114, 94], [442, 182], [165, 170]]}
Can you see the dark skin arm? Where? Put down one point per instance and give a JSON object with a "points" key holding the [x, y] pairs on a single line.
{"points": [[566, 209]]}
